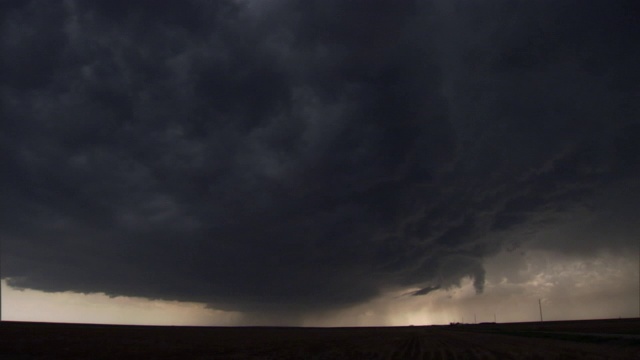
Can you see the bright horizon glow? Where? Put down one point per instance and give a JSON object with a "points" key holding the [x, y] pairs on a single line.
{"points": [[68, 307], [570, 289]]}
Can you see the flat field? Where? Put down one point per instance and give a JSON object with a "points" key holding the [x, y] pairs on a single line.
{"points": [[589, 339]]}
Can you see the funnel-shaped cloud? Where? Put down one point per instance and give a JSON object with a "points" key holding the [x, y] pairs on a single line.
{"points": [[294, 156]]}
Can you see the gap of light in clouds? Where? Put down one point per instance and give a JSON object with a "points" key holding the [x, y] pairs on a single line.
{"points": [[570, 288], [68, 307]]}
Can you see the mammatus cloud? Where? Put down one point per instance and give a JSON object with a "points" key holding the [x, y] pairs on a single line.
{"points": [[300, 156]]}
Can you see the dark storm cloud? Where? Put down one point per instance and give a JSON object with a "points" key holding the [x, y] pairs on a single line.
{"points": [[272, 156], [425, 291]]}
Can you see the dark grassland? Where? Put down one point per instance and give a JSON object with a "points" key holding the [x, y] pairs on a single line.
{"points": [[589, 339]]}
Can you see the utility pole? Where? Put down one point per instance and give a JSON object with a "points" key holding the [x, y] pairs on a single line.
{"points": [[540, 306], [475, 321]]}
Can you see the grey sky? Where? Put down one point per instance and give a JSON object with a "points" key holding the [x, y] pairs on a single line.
{"points": [[295, 157]]}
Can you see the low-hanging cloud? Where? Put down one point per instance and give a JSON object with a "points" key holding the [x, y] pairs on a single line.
{"points": [[294, 156]]}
